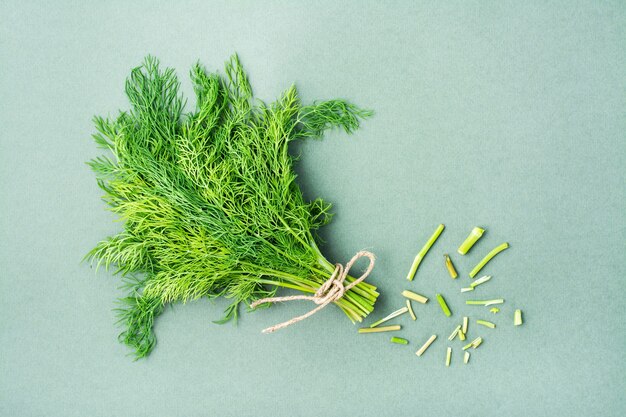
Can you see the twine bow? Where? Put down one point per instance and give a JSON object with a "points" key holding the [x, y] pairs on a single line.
{"points": [[331, 290]]}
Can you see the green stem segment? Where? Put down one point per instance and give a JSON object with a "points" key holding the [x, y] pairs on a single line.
{"points": [[422, 253], [473, 237], [484, 302], [444, 306], [425, 346], [474, 343], [486, 323], [411, 312], [450, 266], [454, 333], [487, 258], [380, 329], [390, 316], [415, 296], [480, 280], [399, 341]]}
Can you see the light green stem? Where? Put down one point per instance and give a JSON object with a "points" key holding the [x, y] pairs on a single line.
{"points": [[487, 258], [390, 316], [484, 302], [486, 323], [422, 253], [350, 300], [380, 329], [473, 237], [399, 341], [444, 306], [342, 303]]}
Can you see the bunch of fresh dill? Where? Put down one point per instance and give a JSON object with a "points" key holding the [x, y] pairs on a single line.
{"points": [[209, 199]]}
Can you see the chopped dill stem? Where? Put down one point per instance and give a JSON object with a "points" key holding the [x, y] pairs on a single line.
{"points": [[487, 258], [422, 253]]}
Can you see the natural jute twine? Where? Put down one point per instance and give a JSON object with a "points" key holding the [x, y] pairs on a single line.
{"points": [[332, 290]]}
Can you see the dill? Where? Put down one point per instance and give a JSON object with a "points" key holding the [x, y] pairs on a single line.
{"points": [[208, 199]]}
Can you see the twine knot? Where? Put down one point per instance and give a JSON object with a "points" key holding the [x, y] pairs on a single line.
{"points": [[330, 291]]}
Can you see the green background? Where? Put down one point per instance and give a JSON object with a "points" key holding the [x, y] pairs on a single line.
{"points": [[507, 115]]}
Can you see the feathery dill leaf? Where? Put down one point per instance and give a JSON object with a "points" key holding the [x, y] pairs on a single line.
{"points": [[209, 199]]}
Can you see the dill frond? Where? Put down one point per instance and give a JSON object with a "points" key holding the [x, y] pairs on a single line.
{"points": [[208, 199]]}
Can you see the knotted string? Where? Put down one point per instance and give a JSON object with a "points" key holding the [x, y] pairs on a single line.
{"points": [[331, 290]]}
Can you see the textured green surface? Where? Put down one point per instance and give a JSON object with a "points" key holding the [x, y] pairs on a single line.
{"points": [[510, 117]]}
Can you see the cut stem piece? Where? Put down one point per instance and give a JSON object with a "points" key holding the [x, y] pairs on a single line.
{"points": [[461, 335], [477, 342], [487, 258], [466, 289], [465, 324], [454, 333], [429, 342], [380, 329], [480, 280], [466, 357], [448, 356], [450, 266], [422, 253], [399, 341], [473, 237], [410, 307], [484, 302], [390, 316], [415, 296], [443, 305], [486, 323], [474, 343], [517, 319]]}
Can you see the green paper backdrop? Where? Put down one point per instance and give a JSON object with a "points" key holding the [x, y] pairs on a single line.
{"points": [[506, 115]]}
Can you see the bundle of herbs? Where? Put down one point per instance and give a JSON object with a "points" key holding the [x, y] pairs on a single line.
{"points": [[208, 198]]}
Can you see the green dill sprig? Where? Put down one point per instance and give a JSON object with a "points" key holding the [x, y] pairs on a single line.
{"points": [[208, 198]]}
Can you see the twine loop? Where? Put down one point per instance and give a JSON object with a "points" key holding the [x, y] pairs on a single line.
{"points": [[330, 291]]}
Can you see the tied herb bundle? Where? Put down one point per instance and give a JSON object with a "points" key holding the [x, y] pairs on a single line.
{"points": [[209, 199]]}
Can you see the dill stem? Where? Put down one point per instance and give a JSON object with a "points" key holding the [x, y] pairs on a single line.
{"points": [[422, 253], [350, 294], [364, 288], [487, 258], [353, 298], [359, 288], [342, 303], [289, 229], [356, 299], [330, 267], [286, 285]]}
